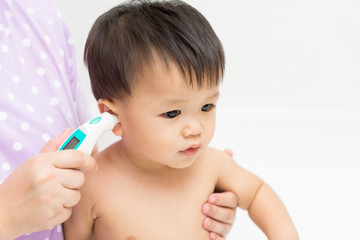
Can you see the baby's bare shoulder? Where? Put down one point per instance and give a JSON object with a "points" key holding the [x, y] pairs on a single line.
{"points": [[212, 158], [109, 165], [215, 155]]}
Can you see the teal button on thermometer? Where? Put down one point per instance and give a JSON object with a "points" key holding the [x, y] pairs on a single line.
{"points": [[85, 137]]}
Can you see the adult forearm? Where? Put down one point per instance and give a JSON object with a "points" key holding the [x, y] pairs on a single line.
{"points": [[5, 231], [6, 227]]}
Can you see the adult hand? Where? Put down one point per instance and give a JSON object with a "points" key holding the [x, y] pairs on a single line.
{"points": [[220, 212], [40, 193]]}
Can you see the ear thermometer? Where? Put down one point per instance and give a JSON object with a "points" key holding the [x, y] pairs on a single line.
{"points": [[85, 137]]}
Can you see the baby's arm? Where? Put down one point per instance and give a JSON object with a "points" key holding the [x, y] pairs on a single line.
{"points": [[255, 196], [269, 213]]}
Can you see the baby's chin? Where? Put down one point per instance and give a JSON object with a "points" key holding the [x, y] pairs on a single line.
{"points": [[185, 161]]}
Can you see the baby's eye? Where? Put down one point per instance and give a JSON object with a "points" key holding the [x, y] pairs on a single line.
{"points": [[207, 107], [172, 114]]}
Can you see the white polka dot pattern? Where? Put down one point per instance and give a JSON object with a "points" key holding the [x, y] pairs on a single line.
{"points": [[17, 146], [25, 126], [38, 97], [5, 166], [22, 60], [16, 79], [40, 71], [3, 116], [4, 48], [26, 42]]}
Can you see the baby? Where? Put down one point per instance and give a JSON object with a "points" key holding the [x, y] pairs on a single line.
{"points": [[157, 66]]}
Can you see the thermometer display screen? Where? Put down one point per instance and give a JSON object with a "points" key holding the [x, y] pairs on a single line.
{"points": [[72, 143]]}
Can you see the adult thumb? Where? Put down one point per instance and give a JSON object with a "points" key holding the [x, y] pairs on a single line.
{"points": [[54, 143]]}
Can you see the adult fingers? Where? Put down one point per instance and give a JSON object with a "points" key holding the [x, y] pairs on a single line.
{"points": [[71, 178], [229, 152], [220, 211], [60, 218], [70, 197], [215, 236], [73, 159], [217, 229], [224, 199], [54, 143], [66, 215], [221, 214]]}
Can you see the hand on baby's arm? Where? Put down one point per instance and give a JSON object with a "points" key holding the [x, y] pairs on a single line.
{"points": [[220, 210]]}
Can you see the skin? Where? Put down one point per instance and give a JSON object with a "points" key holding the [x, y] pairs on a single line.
{"points": [[165, 166], [40, 193], [20, 217], [219, 206], [54, 190]]}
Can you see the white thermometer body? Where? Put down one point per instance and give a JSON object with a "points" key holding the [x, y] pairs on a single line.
{"points": [[85, 137]]}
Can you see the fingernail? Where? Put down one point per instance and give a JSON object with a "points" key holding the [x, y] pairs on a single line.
{"points": [[212, 235], [93, 170], [212, 199], [206, 208], [207, 222]]}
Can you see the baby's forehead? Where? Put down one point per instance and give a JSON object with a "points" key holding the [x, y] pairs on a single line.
{"points": [[170, 83], [158, 69], [158, 74], [158, 93]]}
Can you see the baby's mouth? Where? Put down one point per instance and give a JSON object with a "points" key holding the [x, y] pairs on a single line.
{"points": [[191, 151]]}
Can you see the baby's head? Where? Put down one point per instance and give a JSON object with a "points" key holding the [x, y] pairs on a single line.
{"points": [[157, 67], [135, 35]]}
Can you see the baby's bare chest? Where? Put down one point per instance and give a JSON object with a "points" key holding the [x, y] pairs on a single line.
{"points": [[150, 210]]}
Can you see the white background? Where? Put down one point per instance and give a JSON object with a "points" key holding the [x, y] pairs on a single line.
{"points": [[290, 102]]}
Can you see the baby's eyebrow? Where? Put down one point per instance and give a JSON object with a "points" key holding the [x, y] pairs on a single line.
{"points": [[173, 101], [176, 100]]}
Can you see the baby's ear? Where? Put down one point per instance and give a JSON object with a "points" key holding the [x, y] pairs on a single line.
{"points": [[117, 130], [106, 105]]}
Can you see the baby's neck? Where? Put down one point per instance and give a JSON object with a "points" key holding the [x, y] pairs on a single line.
{"points": [[141, 164]]}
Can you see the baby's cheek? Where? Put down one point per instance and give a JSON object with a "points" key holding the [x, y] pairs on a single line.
{"points": [[209, 133]]}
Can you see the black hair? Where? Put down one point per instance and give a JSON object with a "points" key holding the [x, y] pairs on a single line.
{"points": [[126, 37]]}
